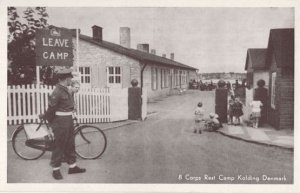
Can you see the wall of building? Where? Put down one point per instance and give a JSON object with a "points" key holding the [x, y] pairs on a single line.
{"points": [[159, 92], [273, 114], [286, 101], [99, 59], [249, 74], [167, 90]]}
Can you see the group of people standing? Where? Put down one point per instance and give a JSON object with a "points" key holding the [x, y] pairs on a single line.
{"points": [[230, 109], [258, 106], [235, 110]]}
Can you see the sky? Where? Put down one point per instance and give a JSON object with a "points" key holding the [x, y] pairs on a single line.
{"points": [[210, 39]]}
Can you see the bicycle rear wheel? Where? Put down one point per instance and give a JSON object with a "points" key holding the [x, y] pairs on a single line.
{"points": [[90, 142], [25, 152]]}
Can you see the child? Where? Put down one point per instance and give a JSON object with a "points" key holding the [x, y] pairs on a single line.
{"points": [[75, 86], [237, 110], [230, 111], [256, 112], [199, 114], [213, 123]]}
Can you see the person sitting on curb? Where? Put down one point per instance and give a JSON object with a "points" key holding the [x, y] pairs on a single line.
{"points": [[213, 123]]}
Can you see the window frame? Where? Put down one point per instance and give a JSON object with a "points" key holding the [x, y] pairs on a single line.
{"points": [[162, 78], [85, 76], [154, 78], [166, 78], [114, 75], [177, 76]]}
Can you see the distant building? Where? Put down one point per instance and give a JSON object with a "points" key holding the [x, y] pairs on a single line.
{"points": [[221, 75]]}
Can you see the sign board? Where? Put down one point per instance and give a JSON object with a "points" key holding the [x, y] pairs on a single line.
{"points": [[54, 47]]}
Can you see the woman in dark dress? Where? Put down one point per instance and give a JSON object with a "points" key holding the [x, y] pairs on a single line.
{"points": [[261, 94]]}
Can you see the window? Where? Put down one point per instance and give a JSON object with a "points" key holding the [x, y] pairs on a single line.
{"points": [[172, 78], [273, 90], [183, 77], [85, 75], [114, 75], [166, 72], [176, 77], [162, 80], [165, 78], [154, 78]]}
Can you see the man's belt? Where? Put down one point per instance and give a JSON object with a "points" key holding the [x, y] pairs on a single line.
{"points": [[59, 113]]}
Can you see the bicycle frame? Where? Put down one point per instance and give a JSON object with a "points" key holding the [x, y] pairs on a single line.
{"points": [[46, 144]]}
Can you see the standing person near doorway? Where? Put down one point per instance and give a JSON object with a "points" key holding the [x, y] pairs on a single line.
{"points": [[221, 98], [59, 115], [261, 94]]}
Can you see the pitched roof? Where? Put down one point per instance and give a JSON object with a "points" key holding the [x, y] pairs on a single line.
{"points": [[257, 57], [281, 43], [136, 54]]}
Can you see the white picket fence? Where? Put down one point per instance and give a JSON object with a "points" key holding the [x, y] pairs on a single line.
{"points": [[26, 102]]}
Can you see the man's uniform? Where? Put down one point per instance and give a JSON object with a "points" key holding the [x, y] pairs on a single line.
{"points": [[61, 106]]}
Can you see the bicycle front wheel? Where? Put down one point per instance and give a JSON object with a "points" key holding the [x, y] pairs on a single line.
{"points": [[90, 142], [20, 147]]}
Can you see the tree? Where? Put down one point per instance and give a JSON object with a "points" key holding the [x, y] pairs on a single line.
{"points": [[21, 43]]}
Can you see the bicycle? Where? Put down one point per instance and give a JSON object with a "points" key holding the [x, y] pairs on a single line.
{"points": [[90, 141]]}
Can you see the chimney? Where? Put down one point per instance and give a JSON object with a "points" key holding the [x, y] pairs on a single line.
{"points": [[164, 55], [97, 33], [172, 56], [125, 37], [143, 47], [153, 51]]}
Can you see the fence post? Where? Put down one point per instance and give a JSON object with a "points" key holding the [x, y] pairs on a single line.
{"points": [[134, 103]]}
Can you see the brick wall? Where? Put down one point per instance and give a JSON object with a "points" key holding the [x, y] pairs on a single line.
{"points": [[286, 111], [282, 117]]}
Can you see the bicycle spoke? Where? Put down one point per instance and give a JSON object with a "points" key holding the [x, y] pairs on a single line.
{"points": [[21, 149]]}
